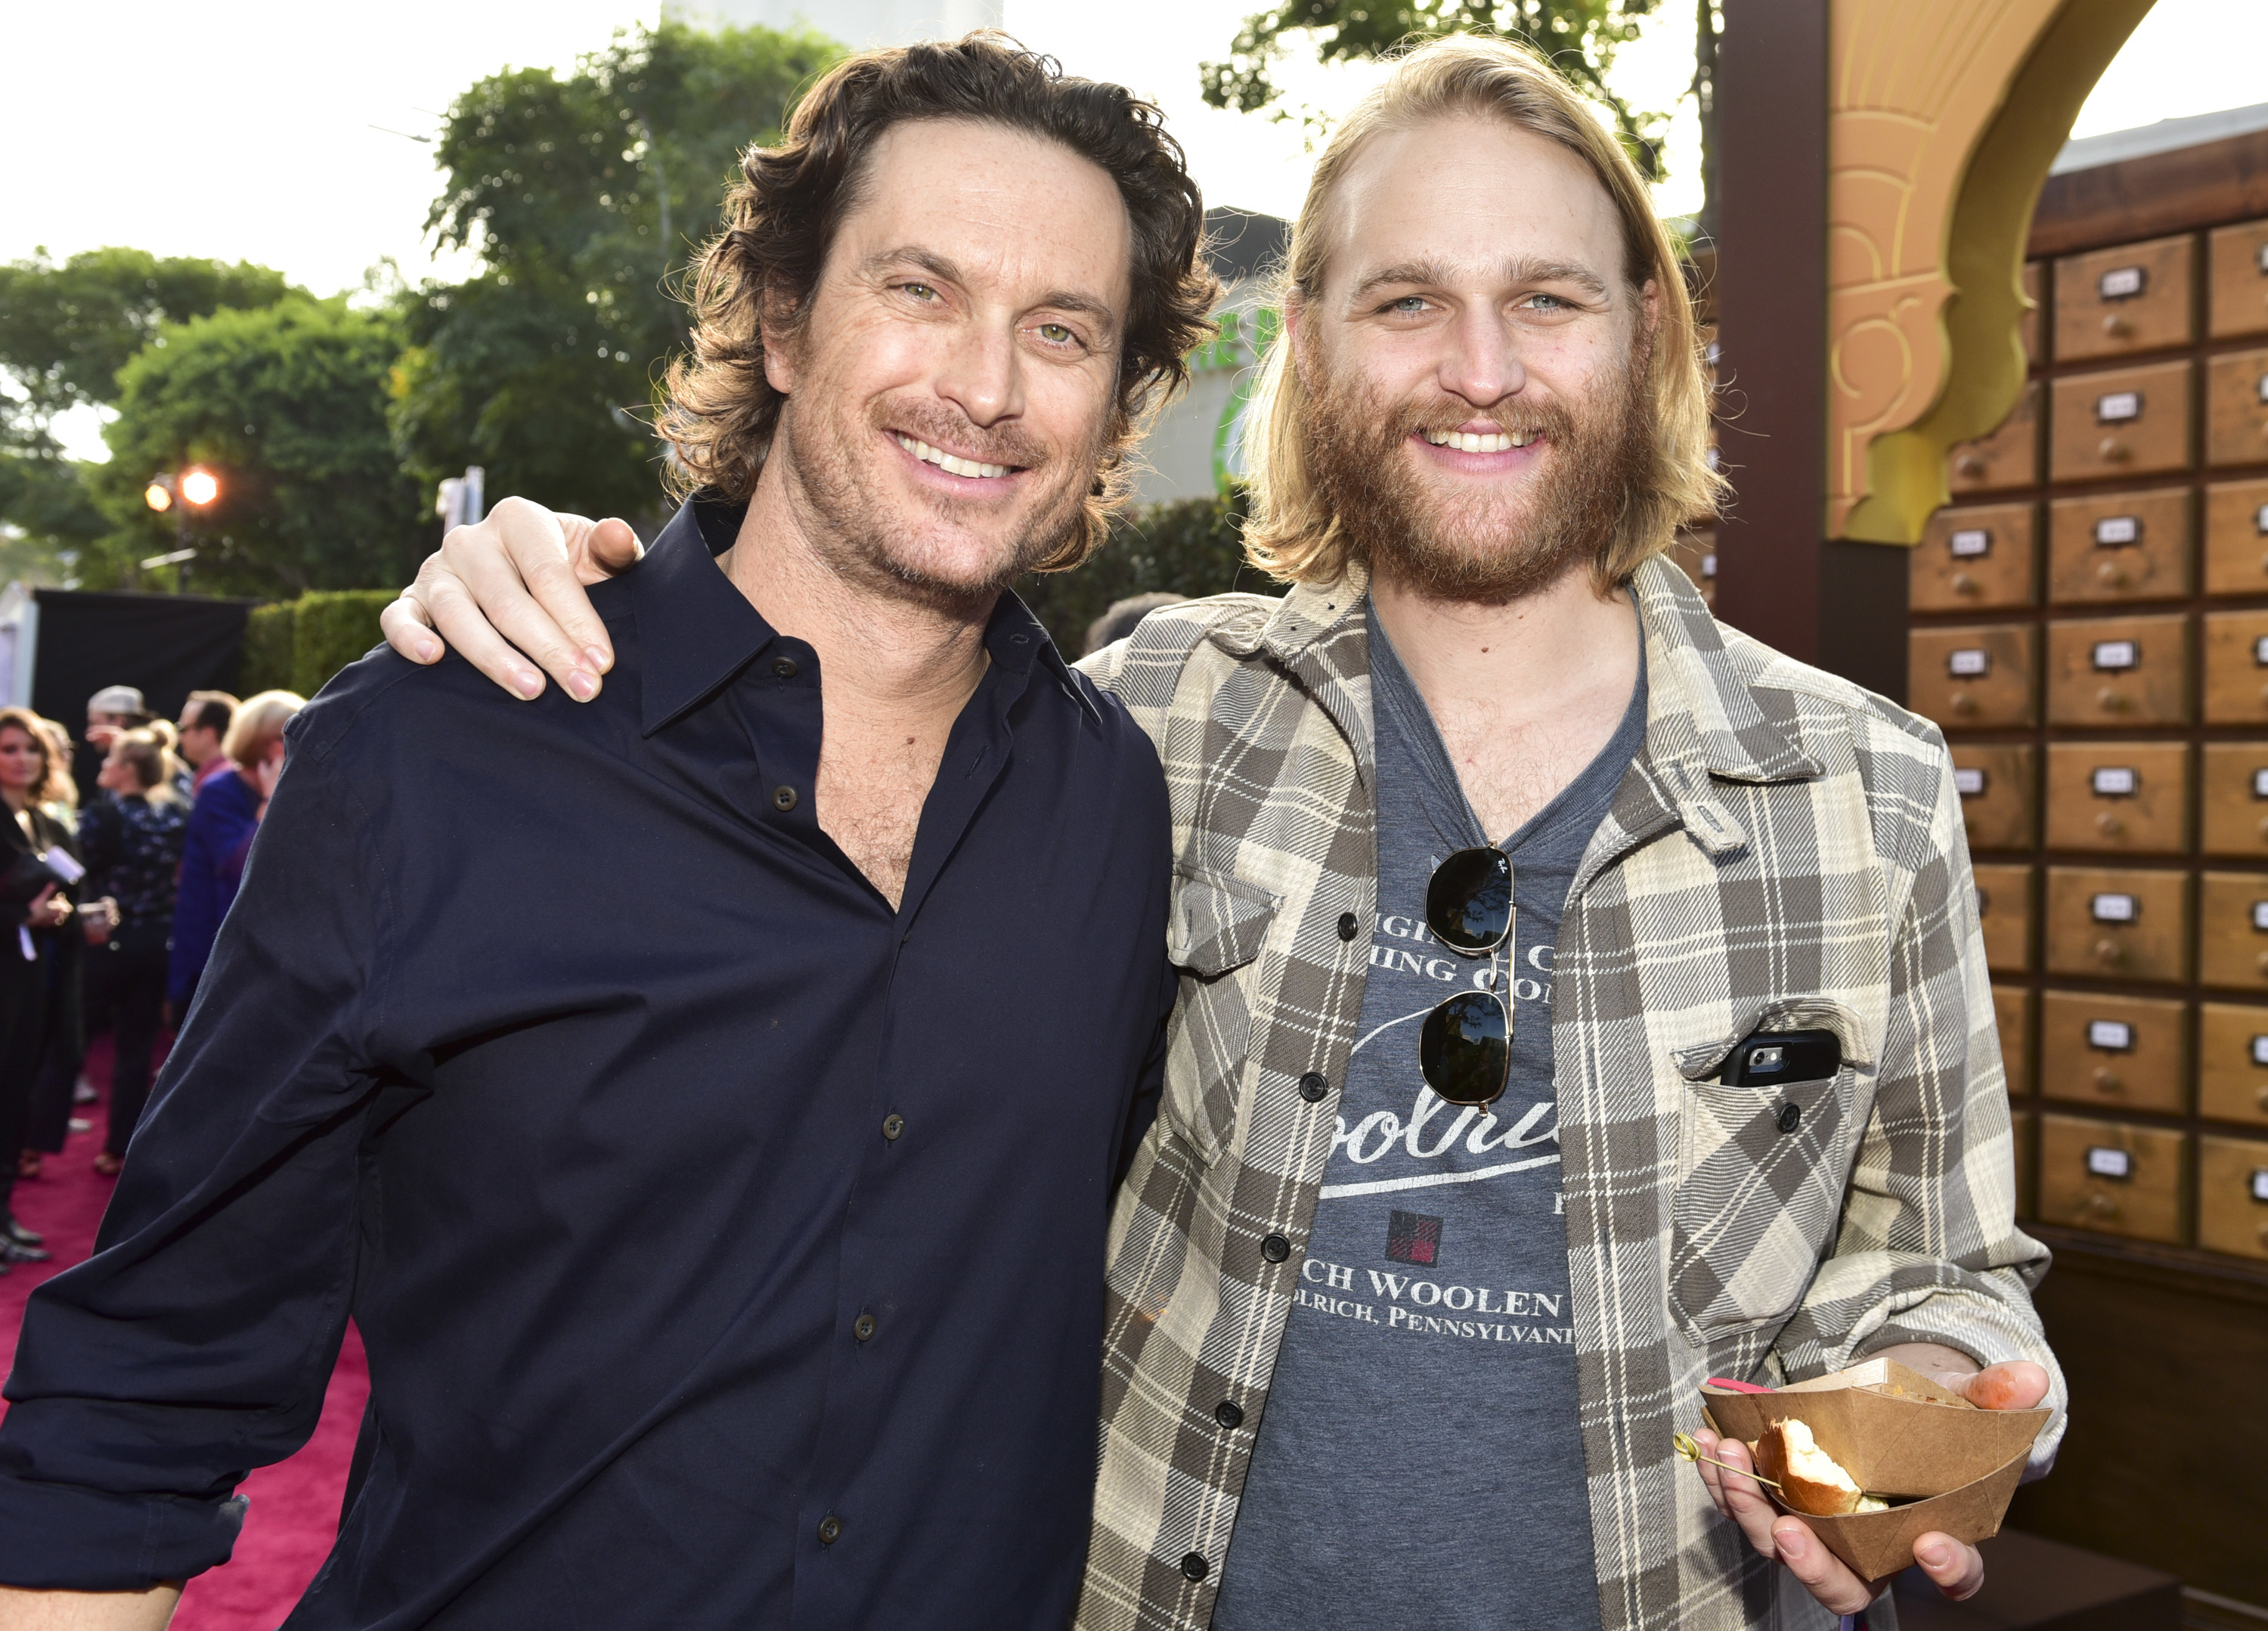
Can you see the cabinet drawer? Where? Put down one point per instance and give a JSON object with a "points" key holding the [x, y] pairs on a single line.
{"points": [[2116, 924], [2114, 1052], [2233, 1062], [2236, 667], [2233, 1196], [2024, 1136], [1977, 675], [2122, 422], [2009, 457], [1999, 795], [2119, 671], [2236, 409], [2127, 797], [1976, 555], [2120, 546], [2236, 538], [2111, 1176], [2232, 790], [2233, 929], [2238, 303], [2135, 298], [2004, 909], [2035, 280], [2012, 1016]]}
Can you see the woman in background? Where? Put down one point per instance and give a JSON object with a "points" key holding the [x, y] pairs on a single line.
{"points": [[35, 909], [221, 825]]}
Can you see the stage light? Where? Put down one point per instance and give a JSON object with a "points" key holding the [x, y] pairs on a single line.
{"points": [[200, 487], [158, 495]]}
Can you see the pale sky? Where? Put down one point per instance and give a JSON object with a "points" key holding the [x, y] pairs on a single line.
{"points": [[245, 130]]}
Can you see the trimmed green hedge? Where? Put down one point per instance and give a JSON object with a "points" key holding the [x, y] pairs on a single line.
{"points": [[297, 645], [1187, 546]]}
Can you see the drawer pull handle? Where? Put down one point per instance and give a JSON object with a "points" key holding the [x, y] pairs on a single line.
{"points": [[2109, 952], [2109, 825], [1963, 584], [1971, 465], [1962, 703], [2264, 827], [2098, 1204], [2106, 1080], [2116, 327], [2114, 452], [2112, 574], [2261, 962], [2111, 700]]}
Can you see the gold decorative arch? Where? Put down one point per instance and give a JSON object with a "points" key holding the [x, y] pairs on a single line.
{"points": [[1943, 117]]}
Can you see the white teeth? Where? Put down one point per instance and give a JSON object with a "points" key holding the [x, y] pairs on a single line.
{"points": [[1465, 441], [952, 464]]}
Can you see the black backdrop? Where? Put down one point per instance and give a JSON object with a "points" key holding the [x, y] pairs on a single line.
{"points": [[165, 644]]}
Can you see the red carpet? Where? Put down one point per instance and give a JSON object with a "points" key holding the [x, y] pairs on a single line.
{"points": [[295, 1504]]}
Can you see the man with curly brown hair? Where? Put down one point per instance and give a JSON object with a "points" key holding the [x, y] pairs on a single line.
{"points": [[716, 1159]]}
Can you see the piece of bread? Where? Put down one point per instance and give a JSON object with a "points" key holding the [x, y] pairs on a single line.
{"points": [[1809, 1479]]}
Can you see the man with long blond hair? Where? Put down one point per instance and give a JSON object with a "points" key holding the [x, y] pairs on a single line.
{"points": [[1579, 999]]}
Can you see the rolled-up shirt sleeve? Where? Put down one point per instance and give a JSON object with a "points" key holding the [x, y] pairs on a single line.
{"points": [[196, 1344]]}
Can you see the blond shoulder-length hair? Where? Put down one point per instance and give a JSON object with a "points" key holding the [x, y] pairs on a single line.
{"points": [[1292, 533]]}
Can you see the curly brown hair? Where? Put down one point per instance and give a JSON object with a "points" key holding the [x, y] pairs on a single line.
{"points": [[782, 217]]}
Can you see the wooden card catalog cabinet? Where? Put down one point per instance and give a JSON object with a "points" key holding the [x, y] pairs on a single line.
{"points": [[2127, 546], [2111, 1176], [2236, 538], [2233, 791], [2239, 301], [2004, 909], [2124, 796], [2000, 794], [2118, 924], [2115, 1052], [1978, 555], [2009, 457], [2012, 1016], [2122, 422], [1973, 676], [2236, 409], [2135, 298], [2233, 1062], [2236, 667], [2233, 929], [2233, 1196], [2034, 278], [2024, 1137], [2119, 671]]}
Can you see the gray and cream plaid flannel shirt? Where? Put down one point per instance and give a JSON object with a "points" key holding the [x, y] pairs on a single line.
{"points": [[1786, 850]]}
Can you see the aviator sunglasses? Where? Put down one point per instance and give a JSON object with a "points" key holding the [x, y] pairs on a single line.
{"points": [[1465, 1050]]}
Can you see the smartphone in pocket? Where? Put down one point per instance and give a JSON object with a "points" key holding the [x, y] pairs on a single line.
{"points": [[1766, 1058]]}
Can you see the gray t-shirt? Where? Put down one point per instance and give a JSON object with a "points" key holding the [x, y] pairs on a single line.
{"points": [[1420, 1463]]}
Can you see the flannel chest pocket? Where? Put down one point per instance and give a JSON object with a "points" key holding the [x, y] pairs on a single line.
{"points": [[1218, 926]]}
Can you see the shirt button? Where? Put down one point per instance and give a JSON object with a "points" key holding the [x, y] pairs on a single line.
{"points": [[1312, 1087], [830, 1529], [1194, 1567], [1227, 1413], [892, 1125], [784, 666], [782, 799], [1790, 1118], [863, 1328], [1349, 925], [1275, 1248]]}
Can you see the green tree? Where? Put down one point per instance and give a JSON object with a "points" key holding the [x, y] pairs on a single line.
{"points": [[585, 197], [1188, 546], [287, 405]]}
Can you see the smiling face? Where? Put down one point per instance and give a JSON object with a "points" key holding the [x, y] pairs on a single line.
{"points": [[23, 761], [950, 387], [1475, 360]]}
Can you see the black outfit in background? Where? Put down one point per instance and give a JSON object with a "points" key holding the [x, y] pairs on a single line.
{"points": [[728, 1246], [39, 995], [132, 847]]}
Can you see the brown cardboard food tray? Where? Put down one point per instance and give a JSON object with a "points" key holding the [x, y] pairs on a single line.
{"points": [[1897, 1434]]}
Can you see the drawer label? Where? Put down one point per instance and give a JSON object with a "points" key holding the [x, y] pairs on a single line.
{"points": [[2260, 521], [2114, 532], [2260, 783], [2260, 651], [1968, 784], [2117, 908], [1709, 565], [2260, 1183], [2261, 389], [2260, 916], [2110, 656], [2260, 1050], [2121, 283], [2105, 1163], [1968, 662], [2115, 781], [2111, 1036], [1971, 542], [2118, 406], [2263, 259]]}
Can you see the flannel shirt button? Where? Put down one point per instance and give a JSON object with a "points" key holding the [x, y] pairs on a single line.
{"points": [[1275, 1248], [1194, 1567], [1790, 1118], [1312, 1087], [830, 1529], [1349, 924], [1227, 1413]]}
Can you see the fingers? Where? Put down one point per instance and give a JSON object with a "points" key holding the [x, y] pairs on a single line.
{"points": [[2012, 1384], [460, 620], [1958, 1570], [408, 630], [613, 548], [1825, 1575], [1737, 1495], [513, 575]]}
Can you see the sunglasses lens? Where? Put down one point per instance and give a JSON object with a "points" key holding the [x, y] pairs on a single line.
{"points": [[1465, 1051], [1469, 903]]}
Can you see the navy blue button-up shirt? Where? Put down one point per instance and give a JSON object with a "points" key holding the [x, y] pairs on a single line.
{"points": [[728, 1246]]}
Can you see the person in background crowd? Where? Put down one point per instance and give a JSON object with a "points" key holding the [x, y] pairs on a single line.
{"points": [[35, 906], [131, 843], [1116, 623], [83, 1009], [205, 720], [112, 709], [219, 835]]}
